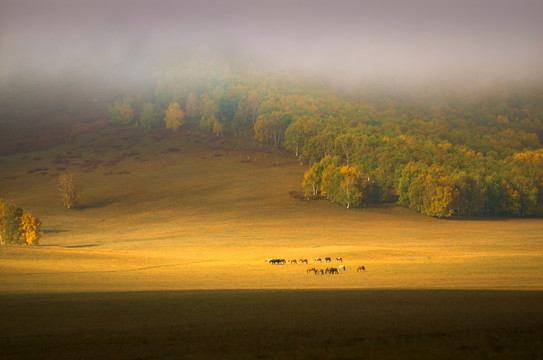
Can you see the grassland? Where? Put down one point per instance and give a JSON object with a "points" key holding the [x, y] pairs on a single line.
{"points": [[172, 235]]}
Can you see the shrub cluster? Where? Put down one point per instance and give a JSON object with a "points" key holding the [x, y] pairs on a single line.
{"points": [[18, 227]]}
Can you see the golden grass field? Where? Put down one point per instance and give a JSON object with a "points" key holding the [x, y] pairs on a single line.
{"points": [[166, 259]]}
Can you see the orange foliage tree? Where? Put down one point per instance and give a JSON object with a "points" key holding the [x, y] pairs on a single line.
{"points": [[30, 229]]}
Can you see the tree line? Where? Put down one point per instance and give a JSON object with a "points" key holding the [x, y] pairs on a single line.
{"points": [[441, 151]]}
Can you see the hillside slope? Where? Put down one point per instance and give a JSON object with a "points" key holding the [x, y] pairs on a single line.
{"points": [[183, 211]]}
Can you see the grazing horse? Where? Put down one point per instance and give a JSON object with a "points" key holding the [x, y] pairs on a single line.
{"points": [[318, 259], [339, 259], [277, 261], [293, 261], [319, 271], [328, 259], [331, 270], [341, 267], [310, 269], [361, 268], [303, 261]]}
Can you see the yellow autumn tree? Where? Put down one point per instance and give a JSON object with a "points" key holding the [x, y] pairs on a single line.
{"points": [[126, 114], [30, 229], [312, 181], [218, 128], [440, 196], [174, 117], [353, 186]]}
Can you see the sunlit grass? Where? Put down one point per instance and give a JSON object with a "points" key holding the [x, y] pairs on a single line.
{"points": [[206, 215]]}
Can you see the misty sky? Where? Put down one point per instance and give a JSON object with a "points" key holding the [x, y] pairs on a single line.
{"points": [[350, 39]]}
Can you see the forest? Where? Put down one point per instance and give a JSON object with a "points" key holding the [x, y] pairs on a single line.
{"points": [[444, 151]]}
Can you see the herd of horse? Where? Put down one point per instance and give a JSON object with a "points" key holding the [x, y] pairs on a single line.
{"points": [[329, 270]]}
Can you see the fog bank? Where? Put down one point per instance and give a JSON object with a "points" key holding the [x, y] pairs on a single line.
{"points": [[351, 40]]}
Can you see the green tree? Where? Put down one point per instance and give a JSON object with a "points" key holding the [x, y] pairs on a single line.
{"points": [[344, 144], [268, 128], [319, 146], [148, 118], [298, 132], [208, 108], [114, 112], [10, 223], [192, 107], [121, 113]]}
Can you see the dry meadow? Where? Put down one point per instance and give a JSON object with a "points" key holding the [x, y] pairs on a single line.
{"points": [[165, 258]]}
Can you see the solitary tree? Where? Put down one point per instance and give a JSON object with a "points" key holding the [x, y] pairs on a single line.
{"points": [[69, 190]]}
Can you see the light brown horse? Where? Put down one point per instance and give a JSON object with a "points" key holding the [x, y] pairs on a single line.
{"points": [[311, 269], [319, 271], [303, 261]]}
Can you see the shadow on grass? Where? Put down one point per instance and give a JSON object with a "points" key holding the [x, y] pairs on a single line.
{"points": [[54, 231], [98, 204], [80, 246], [278, 324]]}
